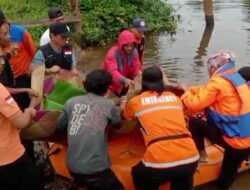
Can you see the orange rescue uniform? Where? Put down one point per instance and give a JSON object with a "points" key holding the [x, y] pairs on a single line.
{"points": [[220, 95], [160, 116], [10, 146]]}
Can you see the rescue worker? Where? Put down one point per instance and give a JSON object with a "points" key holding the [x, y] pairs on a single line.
{"points": [[227, 108], [55, 15], [138, 29], [17, 170], [171, 155], [57, 54], [122, 62], [86, 118]]}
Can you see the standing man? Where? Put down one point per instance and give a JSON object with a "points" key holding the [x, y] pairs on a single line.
{"points": [[55, 15], [56, 54], [21, 50], [17, 169], [138, 29]]}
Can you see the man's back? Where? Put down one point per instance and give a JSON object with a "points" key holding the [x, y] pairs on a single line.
{"points": [[88, 117]]}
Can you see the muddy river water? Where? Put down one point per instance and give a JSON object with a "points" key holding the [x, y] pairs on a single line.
{"points": [[183, 55]]}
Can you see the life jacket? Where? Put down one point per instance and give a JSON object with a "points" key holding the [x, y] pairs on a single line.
{"points": [[233, 126], [121, 61], [63, 59], [161, 117], [7, 75]]}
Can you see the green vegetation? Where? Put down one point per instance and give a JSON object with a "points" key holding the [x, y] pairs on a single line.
{"points": [[102, 19]]}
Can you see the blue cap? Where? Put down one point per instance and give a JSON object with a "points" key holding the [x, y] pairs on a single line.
{"points": [[139, 24]]}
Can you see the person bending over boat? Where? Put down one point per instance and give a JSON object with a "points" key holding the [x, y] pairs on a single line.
{"points": [[17, 170], [171, 155], [57, 54], [122, 62], [86, 118], [227, 108]]}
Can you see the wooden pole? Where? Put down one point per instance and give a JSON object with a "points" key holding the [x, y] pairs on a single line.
{"points": [[208, 8], [75, 9]]}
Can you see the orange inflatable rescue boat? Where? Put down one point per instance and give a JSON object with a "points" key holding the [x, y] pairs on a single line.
{"points": [[126, 145], [126, 150]]}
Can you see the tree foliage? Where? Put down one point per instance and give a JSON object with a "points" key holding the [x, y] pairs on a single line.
{"points": [[102, 19]]}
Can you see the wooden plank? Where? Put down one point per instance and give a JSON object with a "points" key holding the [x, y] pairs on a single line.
{"points": [[46, 22]]}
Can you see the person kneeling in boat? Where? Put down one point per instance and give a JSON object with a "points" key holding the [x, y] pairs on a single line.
{"points": [[57, 54], [86, 118], [171, 155], [227, 109], [122, 62]]}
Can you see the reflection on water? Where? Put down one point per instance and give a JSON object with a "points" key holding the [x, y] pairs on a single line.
{"points": [[202, 49], [180, 53]]}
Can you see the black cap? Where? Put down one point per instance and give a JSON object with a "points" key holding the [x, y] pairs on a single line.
{"points": [[139, 24], [55, 12], [59, 29]]}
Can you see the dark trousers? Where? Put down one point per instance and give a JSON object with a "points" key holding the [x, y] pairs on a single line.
{"points": [[146, 178], [232, 157], [23, 101], [20, 175], [104, 180]]}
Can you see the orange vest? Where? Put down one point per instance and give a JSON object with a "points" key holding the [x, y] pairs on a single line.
{"points": [[162, 116], [221, 96]]}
